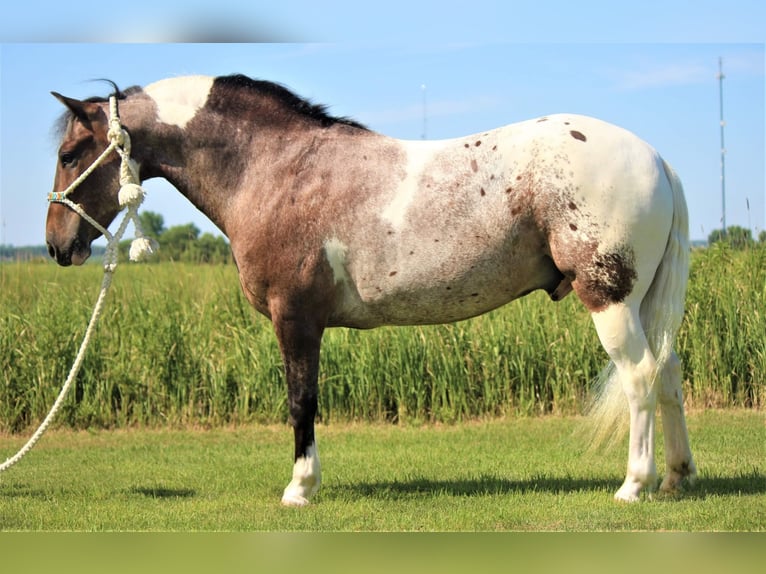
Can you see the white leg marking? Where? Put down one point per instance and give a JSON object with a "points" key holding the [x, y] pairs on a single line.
{"points": [[678, 456], [307, 476], [179, 99], [619, 329]]}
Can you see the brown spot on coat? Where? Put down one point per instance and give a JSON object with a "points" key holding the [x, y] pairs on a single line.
{"points": [[474, 166], [573, 227], [478, 143], [482, 192], [578, 135], [609, 279]]}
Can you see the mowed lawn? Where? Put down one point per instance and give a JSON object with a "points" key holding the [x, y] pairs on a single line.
{"points": [[499, 475]]}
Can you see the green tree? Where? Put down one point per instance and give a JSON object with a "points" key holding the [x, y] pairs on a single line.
{"points": [[212, 249], [176, 241], [152, 224], [180, 242]]}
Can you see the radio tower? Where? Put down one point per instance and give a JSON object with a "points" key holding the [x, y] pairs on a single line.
{"points": [[720, 77]]}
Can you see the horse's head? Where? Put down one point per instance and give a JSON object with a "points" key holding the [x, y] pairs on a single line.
{"points": [[85, 137]]}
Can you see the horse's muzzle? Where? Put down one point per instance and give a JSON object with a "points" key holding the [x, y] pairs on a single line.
{"points": [[76, 253]]}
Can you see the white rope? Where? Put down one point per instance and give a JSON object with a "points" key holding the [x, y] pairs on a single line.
{"points": [[72, 375], [131, 195]]}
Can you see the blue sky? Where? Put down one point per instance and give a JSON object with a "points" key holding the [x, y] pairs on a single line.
{"points": [[482, 68]]}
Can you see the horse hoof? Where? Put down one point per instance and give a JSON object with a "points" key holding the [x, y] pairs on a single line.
{"points": [[628, 497], [629, 492], [674, 482], [294, 500]]}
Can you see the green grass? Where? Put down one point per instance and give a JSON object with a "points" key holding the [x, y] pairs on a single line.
{"points": [[179, 345], [514, 474]]}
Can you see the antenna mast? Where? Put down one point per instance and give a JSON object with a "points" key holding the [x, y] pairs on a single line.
{"points": [[720, 77]]}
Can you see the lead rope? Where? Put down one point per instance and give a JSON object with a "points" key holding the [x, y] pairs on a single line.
{"points": [[130, 196]]}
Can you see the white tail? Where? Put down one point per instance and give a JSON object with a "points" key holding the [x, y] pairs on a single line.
{"points": [[661, 313]]}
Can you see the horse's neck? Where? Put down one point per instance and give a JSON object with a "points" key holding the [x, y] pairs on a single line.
{"points": [[198, 167]]}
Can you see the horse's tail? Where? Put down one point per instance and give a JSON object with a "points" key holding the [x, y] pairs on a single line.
{"points": [[662, 310]]}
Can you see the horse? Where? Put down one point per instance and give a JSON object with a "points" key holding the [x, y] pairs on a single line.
{"points": [[332, 224]]}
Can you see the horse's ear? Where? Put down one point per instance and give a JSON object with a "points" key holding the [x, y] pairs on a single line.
{"points": [[83, 111]]}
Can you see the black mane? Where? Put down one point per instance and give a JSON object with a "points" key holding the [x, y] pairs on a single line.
{"points": [[289, 99]]}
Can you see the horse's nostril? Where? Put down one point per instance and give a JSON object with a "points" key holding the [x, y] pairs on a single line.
{"points": [[63, 258]]}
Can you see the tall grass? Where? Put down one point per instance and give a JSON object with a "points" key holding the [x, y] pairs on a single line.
{"points": [[723, 340], [179, 345]]}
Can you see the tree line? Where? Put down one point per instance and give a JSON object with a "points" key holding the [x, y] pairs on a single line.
{"points": [[738, 237], [181, 243]]}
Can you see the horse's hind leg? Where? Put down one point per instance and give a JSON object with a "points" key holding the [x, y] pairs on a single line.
{"points": [[678, 456], [299, 342], [622, 336]]}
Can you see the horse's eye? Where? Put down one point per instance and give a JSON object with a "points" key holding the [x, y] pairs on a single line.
{"points": [[68, 159]]}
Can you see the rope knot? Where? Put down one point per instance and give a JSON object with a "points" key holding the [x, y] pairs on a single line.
{"points": [[141, 248], [131, 194], [116, 134]]}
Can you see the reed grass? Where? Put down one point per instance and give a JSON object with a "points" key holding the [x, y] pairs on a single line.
{"points": [[179, 345]]}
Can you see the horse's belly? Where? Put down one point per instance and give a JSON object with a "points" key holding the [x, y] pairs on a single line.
{"points": [[453, 291]]}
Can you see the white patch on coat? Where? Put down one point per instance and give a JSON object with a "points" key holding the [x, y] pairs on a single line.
{"points": [[335, 251], [307, 476], [419, 154], [179, 99]]}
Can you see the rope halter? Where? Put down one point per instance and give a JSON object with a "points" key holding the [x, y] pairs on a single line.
{"points": [[130, 196]]}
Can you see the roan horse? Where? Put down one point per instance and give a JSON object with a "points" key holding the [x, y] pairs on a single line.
{"points": [[332, 224]]}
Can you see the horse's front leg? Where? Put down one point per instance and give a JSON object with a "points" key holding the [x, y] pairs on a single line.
{"points": [[299, 341]]}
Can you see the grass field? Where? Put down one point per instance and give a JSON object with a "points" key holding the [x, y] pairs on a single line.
{"points": [[515, 474], [178, 345]]}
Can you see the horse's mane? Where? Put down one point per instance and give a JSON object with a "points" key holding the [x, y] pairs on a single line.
{"points": [[280, 93], [289, 99]]}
